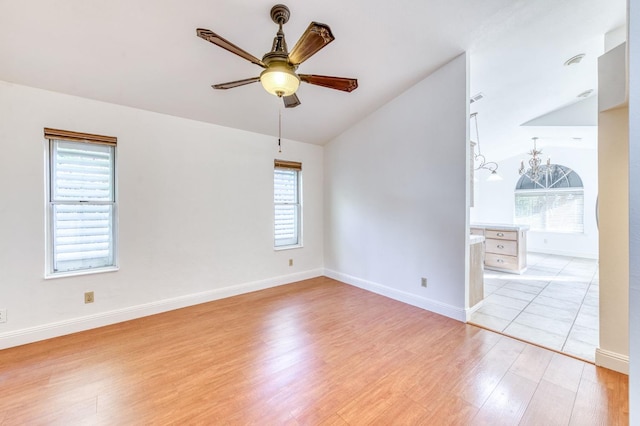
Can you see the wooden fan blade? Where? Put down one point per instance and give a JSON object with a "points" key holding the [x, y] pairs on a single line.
{"points": [[315, 37], [227, 45], [338, 83], [237, 83], [291, 101]]}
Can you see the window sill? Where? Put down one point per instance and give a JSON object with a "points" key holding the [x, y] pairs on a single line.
{"points": [[54, 275], [296, 246]]}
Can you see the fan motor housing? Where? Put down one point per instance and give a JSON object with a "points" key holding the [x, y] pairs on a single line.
{"points": [[275, 57]]}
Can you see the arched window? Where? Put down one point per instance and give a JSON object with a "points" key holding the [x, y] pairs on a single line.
{"points": [[552, 203]]}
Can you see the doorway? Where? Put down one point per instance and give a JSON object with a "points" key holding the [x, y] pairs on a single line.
{"points": [[554, 303]]}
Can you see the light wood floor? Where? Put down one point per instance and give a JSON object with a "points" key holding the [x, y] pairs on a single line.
{"points": [[314, 352]]}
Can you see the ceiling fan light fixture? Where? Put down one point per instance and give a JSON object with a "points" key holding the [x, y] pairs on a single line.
{"points": [[280, 80], [279, 76]]}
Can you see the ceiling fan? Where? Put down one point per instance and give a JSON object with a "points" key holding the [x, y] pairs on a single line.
{"points": [[279, 76]]}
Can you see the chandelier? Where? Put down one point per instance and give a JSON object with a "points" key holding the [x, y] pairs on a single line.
{"points": [[536, 169], [479, 160]]}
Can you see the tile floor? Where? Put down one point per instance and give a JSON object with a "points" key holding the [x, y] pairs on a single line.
{"points": [[553, 304]]}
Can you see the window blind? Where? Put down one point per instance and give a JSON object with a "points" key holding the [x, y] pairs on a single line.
{"points": [[284, 164], [68, 135], [287, 203], [551, 211], [82, 203]]}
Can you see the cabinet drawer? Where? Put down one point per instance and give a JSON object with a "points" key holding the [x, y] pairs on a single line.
{"points": [[501, 247], [501, 235], [500, 261], [477, 231]]}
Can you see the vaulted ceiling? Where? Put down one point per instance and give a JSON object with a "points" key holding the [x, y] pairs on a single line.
{"points": [[145, 54]]}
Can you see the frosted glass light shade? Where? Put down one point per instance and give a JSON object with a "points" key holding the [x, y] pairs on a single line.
{"points": [[494, 176], [279, 80]]}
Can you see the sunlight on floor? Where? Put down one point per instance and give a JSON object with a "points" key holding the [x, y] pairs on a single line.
{"points": [[553, 304]]}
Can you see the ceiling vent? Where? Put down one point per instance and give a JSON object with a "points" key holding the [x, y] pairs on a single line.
{"points": [[476, 97], [575, 60], [585, 94]]}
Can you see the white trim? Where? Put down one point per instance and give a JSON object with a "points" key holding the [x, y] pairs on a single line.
{"points": [[582, 255], [74, 325], [298, 204], [402, 296], [291, 247], [470, 311], [612, 360], [78, 272], [49, 272]]}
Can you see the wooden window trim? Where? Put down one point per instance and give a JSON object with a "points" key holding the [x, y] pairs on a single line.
{"points": [[79, 137]]}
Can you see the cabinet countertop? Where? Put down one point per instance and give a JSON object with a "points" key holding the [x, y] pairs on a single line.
{"points": [[501, 226]]}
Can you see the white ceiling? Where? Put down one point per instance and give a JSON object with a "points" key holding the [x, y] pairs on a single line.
{"points": [[145, 54]]}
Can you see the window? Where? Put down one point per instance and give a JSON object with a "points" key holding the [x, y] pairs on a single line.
{"points": [[287, 207], [81, 211], [553, 203]]}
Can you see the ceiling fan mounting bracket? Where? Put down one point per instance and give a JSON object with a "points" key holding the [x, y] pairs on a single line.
{"points": [[280, 14]]}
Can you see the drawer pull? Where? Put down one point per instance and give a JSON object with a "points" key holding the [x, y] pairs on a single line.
{"points": [[500, 234], [499, 260], [500, 246]]}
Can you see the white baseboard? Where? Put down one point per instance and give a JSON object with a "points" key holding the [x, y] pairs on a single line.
{"points": [[566, 253], [472, 309], [399, 295], [74, 325], [612, 360]]}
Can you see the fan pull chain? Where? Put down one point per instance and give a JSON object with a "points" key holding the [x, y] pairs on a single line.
{"points": [[279, 129]]}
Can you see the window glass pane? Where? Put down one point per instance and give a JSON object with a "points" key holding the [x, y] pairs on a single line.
{"points": [[565, 212], [553, 176], [286, 225], [285, 186], [82, 236], [551, 211], [82, 171], [530, 210], [554, 202], [82, 206]]}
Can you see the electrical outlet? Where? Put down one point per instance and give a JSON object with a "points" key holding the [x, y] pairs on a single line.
{"points": [[424, 282], [290, 262], [3, 315], [88, 297]]}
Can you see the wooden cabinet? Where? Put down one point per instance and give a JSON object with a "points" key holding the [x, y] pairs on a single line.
{"points": [[476, 271], [505, 247]]}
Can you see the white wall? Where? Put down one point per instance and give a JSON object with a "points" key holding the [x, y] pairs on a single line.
{"points": [[613, 181], [614, 262], [495, 200], [395, 196], [195, 215]]}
